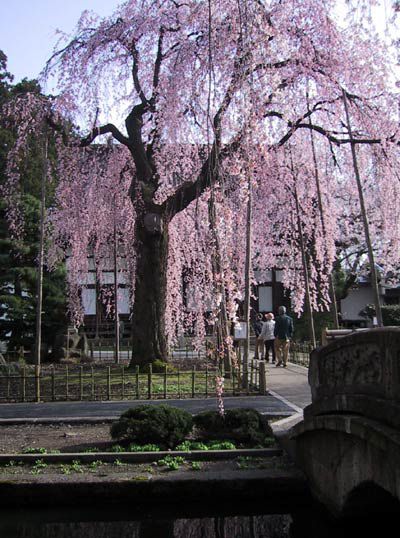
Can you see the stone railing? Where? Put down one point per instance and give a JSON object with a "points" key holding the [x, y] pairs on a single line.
{"points": [[358, 373]]}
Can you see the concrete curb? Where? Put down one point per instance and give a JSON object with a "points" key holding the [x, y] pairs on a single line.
{"points": [[269, 415], [279, 489]]}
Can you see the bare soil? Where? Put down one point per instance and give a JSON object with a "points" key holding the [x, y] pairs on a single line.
{"points": [[63, 437]]}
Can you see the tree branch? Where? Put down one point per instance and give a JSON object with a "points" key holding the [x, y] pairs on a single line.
{"points": [[157, 64], [188, 192], [135, 74], [104, 129]]}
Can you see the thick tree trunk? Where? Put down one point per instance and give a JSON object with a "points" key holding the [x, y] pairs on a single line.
{"points": [[148, 317]]}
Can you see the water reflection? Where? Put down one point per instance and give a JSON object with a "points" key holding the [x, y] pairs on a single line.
{"points": [[264, 526], [301, 524]]}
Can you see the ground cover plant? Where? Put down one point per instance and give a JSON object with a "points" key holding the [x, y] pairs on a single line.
{"points": [[135, 471]]}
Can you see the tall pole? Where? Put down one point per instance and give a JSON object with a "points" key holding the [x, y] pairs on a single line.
{"points": [[322, 215], [374, 279], [246, 354], [116, 314], [304, 263], [306, 276], [39, 282], [216, 261]]}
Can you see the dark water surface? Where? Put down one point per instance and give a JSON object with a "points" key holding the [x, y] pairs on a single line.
{"points": [[127, 523]]}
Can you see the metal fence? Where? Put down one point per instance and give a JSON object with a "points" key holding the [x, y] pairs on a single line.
{"points": [[104, 383]]}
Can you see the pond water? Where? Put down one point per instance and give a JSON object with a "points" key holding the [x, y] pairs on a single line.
{"points": [[305, 524]]}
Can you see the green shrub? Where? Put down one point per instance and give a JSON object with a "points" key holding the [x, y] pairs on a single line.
{"points": [[158, 424], [391, 314], [244, 425]]}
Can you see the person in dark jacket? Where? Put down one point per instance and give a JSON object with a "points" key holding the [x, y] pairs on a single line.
{"points": [[283, 333], [257, 327]]}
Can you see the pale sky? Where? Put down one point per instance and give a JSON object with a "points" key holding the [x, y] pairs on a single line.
{"points": [[27, 29]]}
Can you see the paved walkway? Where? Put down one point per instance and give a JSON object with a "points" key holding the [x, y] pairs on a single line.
{"points": [[290, 383], [288, 387]]}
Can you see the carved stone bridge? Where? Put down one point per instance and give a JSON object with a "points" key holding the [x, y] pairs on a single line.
{"points": [[348, 443]]}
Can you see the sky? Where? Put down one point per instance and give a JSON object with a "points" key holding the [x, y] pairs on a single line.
{"points": [[28, 29]]}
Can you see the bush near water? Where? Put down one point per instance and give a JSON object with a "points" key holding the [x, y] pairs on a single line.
{"points": [[244, 425], [146, 423], [168, 426]]}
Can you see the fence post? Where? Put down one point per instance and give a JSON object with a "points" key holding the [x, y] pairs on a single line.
{"points": [[23, 384], [165, 382], [122, 382], [81, 383], [92, 376], [108, 383], [137, 382], [193, 380], [206, 380], [149, 382], [37, 382], [91, 350], [179, 382], [53, 384], [8, 382], [66, 383], [263, 378]]}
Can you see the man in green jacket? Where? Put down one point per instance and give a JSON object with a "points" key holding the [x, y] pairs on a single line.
{"points": [[283, 333]]}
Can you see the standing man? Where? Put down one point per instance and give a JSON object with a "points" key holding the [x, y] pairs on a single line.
{"points": [[283, 333], [257, 327]]}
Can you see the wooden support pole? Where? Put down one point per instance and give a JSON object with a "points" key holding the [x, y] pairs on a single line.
{"points": [[137, 383], [165, 381], [23, 384], [322, 215], [53, 384], [80, 383], [116, 313], [93, 384], [193, 380], [150, 382], [108, 383], [371, 258], [247, 291], [304, 260], [39, 281]]}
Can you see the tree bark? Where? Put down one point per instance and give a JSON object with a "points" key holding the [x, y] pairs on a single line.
{"points": [[149, 341]]}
